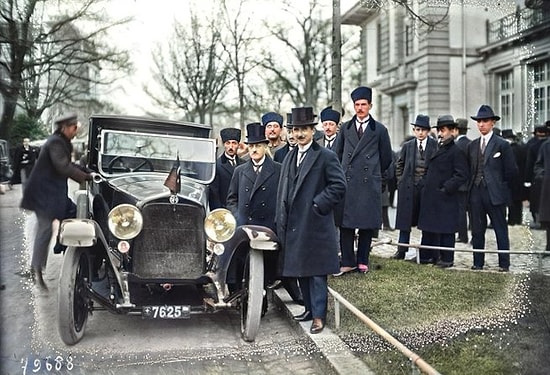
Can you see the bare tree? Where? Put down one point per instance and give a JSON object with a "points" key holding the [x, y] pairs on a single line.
{"points": [[47, 62], [190, 71]]}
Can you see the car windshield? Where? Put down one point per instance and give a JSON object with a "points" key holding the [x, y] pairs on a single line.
{"points": [[124, 152]]}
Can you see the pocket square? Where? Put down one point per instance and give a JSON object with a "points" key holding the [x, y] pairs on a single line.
{"points": [[496, 155]]}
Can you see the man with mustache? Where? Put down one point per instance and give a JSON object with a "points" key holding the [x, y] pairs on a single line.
{"points": [[273, 123], [364, 149]]}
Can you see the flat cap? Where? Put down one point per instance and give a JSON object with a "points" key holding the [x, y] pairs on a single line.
{"points": [[66, 119]]}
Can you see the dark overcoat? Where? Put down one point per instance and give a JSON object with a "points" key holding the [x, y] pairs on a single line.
{"points": [[305, 219], [46, 191], [218, 188], [280, 154], [448, 170], [363, 161], [499, 168], [542, 173], [252, 198], [404, 170]]}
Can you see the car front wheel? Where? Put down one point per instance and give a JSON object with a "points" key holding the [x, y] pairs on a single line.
{"points": [[73, 302], [251, 301]]}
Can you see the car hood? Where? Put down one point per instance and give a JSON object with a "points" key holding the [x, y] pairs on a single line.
{"points": [[149, 186]]}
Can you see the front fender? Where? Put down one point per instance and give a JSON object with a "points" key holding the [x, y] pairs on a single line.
{"points": [[255, 237]]}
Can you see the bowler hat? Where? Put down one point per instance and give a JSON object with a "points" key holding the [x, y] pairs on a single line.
{"points": [[446, 120], [329, 114], [485, 112], [462, 123], [66, 119], [230, 134], [508, 134], [303, 116], [361, 92], [255, 133], [422, 121], [272, 116]]}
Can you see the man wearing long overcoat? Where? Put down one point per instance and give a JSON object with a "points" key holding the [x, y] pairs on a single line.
{"points": [[410, 170], [438, 219], [364, 149], [46, 191], [542, 174], [312, 183]]}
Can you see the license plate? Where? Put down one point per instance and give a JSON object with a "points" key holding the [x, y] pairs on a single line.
{"points": [[166, 312]]}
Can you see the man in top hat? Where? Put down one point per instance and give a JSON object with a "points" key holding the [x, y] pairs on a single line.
{"points": [[311, 185], [46, 191], [280, 154], [273, 123], [410, 170], [252, 197], [532, 148], [462, 141], [364, 149], [447, 171], [492, 170], [225, 165], [331, 121]]}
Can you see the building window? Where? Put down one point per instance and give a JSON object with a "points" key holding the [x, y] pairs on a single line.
{"points": [[506, 89], [409, 35], [541, 92]]}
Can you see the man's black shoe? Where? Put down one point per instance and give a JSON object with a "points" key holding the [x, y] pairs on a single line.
{"points": [[306, 316]]}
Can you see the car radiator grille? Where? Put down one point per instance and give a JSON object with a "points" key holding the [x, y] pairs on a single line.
{"points": [[172, 242]]}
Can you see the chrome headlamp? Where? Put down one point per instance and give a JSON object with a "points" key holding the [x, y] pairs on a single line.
{"points": [[125, 221], [220, 225]]}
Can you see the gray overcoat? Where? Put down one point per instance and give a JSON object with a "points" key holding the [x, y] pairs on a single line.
{"points": [[363, 161]]}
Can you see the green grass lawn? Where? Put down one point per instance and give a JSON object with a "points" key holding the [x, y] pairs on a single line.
{"points": [[455, 320]]}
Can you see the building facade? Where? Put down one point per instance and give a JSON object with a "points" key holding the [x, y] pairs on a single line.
{"points": [[435, 58]]}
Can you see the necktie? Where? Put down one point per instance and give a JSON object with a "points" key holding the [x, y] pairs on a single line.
{"points": [[483, 146], [421, 149], [232, 162], [301, 155], [329, 142], [360, 129], [257, 168]]}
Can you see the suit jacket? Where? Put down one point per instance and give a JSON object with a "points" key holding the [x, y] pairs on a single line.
{"points": [[499, 168], [252, 198], [305, 220], [448, 170], [542, 173], [219, 187], [404, 170], [363, 161], [46, 191]]}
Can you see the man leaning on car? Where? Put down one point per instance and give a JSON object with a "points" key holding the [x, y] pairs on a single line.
{"points": [[46, 191]]}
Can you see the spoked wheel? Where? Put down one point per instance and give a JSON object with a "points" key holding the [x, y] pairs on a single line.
{"points": [[251, 300], [73, 302]]}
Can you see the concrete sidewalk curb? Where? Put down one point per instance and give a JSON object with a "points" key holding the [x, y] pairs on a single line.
{"points": [[334, 351]]}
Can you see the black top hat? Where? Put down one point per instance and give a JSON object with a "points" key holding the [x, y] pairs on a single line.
{"points": [[422, 121], [230, 134], [508, 134], [303, 116], [485, 112], [361, 92], [288, 120], [446, 120], [329, 114], [255, 133], [462, 123], [272, 116]]}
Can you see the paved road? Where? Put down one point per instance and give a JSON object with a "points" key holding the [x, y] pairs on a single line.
{"points": [[114, 344]]}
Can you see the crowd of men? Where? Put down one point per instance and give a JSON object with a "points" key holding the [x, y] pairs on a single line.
{"points": [[322, 192]]}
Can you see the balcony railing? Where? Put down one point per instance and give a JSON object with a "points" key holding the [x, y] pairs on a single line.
{"points": [[516, 23]]}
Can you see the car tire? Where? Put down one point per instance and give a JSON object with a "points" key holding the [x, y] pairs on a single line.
{"points": [[251, 302], [73, 301]]}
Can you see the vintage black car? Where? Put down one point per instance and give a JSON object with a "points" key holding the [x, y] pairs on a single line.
{"points": [[144, 241]]}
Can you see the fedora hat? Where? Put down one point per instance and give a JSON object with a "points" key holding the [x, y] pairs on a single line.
{"points": [[446, 120], [422, 121], [485, 112], [255, 133], [462, 123], [303, 116]]}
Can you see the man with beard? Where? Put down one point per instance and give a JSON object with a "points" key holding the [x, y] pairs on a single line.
{"points": [[225, 165]]}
